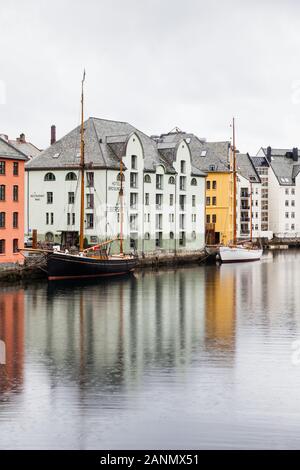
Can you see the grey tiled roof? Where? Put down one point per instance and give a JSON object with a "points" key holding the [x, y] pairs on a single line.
{"points": [[105, 143], [246, 168], [26, 147], [283, 165], [7, 150], [259, 161], [206, 156]]}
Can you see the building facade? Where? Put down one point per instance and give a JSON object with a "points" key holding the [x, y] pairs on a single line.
{"points": [[12, 163], [279, 169], [164, 193]]}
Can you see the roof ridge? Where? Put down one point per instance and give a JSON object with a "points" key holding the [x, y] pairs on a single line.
{"points": [[108, 120], [13, 147], [98, 141]]}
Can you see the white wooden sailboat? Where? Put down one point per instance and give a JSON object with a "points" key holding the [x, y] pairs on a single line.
{"points": [[236, 253]]}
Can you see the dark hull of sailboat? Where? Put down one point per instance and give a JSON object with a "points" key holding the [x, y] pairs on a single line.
{"points": [[63, 266]]}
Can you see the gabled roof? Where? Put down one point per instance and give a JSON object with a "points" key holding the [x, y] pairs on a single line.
{"points": [[206, 156], [246, 168], [283, 165], [105, 143], [27, 148], [7, 150]]}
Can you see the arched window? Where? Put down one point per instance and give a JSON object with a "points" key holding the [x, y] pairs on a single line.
{"points": [[193, 235], [193, 182], [49, 237], [171, 235], [147, 179], [71, 176], [147, 236], [49, 177], [171, 180], [119, 177]]}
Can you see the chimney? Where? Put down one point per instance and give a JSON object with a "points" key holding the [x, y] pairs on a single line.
{"points": [[295, 154], [53, 135], [22, 138], [269, 153]]}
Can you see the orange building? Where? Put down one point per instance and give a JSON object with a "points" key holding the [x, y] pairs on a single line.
{"points": [[12, 171]]}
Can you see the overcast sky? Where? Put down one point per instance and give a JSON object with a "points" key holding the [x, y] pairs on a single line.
{"points": [[156, 64]]}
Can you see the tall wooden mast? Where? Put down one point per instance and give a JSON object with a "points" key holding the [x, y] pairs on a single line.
{"points": [[121, 207], [234, 181], [82, 165]]}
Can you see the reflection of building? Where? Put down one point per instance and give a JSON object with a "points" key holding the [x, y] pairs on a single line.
{"points": [[114, 332], [220, 306], [12, 335]]}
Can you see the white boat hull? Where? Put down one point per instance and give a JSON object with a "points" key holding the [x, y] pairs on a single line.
{"points": [[239, 254]]}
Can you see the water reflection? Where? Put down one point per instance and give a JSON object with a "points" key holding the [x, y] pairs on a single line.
{"points": [[169, 358], [12, 339]]}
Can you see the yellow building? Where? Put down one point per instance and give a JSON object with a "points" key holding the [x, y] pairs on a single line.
{"points": [[219, 210]]}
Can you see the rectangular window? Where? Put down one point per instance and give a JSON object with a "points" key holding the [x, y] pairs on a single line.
{"points": [[134, 162], [49, 198], [286, 215], [207, 184], [73, 218], [133, 222], [286, 203], [182, 183], [208, 218], [148, 217], [182, 202], [193, 217], [68, 218], [214, 201], [2, 192], [158, 221], [2, 168], [193, 201], [2, 247], [293, 227], [293, 215], [90, 201], [89, 220], [2, 219], [47, 218], [286, 191], [15, 193], [293, 191], [133, 180], [208, 201], [182, 166], [159, 181], [171, 218], [147, 199], [15, 245], [90, 179], [171, 199], [293, 203], [51, 218], [214, 219], [71, 198], [214, 185], [15, 219], [159, 201], [16, 169], [133, 200], [182, 221]]}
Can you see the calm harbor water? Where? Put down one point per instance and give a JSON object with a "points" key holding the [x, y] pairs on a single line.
{"points": [[198, 358]]}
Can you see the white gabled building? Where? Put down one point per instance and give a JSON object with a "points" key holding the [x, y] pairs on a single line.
{"points": [[280, 169], [251, 205], [164, 194]]}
